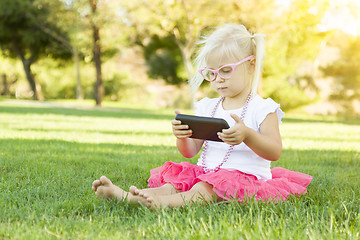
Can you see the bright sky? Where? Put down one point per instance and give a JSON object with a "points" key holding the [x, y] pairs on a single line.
{"points": [[342, 14]]}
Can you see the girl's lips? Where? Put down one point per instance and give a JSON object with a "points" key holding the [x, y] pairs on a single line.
{"points": [[222, 88]]}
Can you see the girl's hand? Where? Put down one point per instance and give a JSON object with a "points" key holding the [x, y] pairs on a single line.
{"points": [[236, 134], [180, 131]]}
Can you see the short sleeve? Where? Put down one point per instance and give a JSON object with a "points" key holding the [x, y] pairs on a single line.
{"points": [[268, 106], [202, 107]]}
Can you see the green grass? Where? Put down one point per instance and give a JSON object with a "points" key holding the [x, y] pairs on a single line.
{"points": [[49, 157]]}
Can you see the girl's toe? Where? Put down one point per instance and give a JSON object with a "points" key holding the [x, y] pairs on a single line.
{"points": [[104, 180], [132, 190], [96, 183]]}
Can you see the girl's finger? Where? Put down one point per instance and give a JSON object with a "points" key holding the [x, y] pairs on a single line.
{"points": [[175, 122], [181, 127], [228, 131], [181, 133], [225, 135], [232, 135], [227, 138]]}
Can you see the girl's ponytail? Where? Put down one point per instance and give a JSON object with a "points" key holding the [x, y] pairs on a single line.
{"points": [[260, 53]]}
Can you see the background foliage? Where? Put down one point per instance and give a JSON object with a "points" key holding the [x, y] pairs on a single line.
{"points": [[146, 43]]}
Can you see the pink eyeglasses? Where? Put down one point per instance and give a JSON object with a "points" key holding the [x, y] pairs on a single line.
{"points": [[224, 72]]}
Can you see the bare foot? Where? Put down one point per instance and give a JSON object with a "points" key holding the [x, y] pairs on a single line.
{"points": [[140, 192], [151, 201], [105, 189], [166, 189], [160, 202], [201, 192], [134, 190]]}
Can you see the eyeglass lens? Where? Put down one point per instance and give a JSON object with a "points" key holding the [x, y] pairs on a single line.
{"points": [[224, 72]]}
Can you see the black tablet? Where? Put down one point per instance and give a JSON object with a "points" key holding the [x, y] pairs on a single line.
{"points": [[205, 128]]}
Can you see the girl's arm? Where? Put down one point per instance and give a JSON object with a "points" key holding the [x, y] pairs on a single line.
{"points": [[188, 147], [267, 144]]}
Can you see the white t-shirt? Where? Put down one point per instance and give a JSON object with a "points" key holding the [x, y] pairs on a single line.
{"points": [[242, 157]]}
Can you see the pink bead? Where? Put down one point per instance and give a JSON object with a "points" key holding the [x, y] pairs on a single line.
{"points": [[227, 155]]}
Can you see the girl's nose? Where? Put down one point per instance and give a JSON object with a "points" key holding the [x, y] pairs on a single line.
{"points": [[219, 78]]}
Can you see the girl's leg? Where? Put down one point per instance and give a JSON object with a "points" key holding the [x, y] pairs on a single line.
{"points": [[166, 189], [201, 191], [105, 189]]}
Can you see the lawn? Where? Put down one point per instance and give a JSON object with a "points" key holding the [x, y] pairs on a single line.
{"points": [[49, 156]]}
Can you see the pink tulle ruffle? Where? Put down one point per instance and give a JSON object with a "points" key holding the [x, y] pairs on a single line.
{"points": [[232, 184]]}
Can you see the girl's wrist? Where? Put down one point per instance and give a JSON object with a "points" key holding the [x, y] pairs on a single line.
{"points": [[248, 132]]}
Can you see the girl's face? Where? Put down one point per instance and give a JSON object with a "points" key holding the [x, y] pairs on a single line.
{"points": [[240, 82]]}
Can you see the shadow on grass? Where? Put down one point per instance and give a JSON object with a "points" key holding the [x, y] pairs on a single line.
{"points": [[114, 132], [312, 120], [134, 113], [79, 112]]}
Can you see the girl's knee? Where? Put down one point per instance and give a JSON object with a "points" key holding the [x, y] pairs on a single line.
{"points": [[202, 186], [206, 189]]}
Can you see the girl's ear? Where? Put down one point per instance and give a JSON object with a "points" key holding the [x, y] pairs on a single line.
{"points": [[252, 65], [253, 61]]}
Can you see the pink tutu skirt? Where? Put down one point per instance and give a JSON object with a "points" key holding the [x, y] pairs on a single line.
{"points": [[232, 184]]}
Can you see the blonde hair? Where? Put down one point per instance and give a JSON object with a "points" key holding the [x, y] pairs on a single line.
{"points": [[233, 41]]}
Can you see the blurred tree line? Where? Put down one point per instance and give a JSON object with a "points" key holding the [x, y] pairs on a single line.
{"points": [[82, 40], [346, 72]]}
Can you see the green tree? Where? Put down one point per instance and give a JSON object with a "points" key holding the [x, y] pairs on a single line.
{"points": [[180, 22], [163, 56], [8, 75], [22, 35], [98, 27], [99, 87], [68, 18], [293, 39], [293, 36], [346, 72]]}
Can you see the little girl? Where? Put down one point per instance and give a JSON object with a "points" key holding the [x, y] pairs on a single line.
{"points": [[239, 167]]}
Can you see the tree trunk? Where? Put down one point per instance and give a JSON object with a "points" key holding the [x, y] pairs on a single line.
{"points": [[5, 90], [79, 93], [99, 88], [35, 88], [30, 77]]}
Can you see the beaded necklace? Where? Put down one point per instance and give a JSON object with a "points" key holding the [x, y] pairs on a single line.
{"points": [[203, 154]]}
